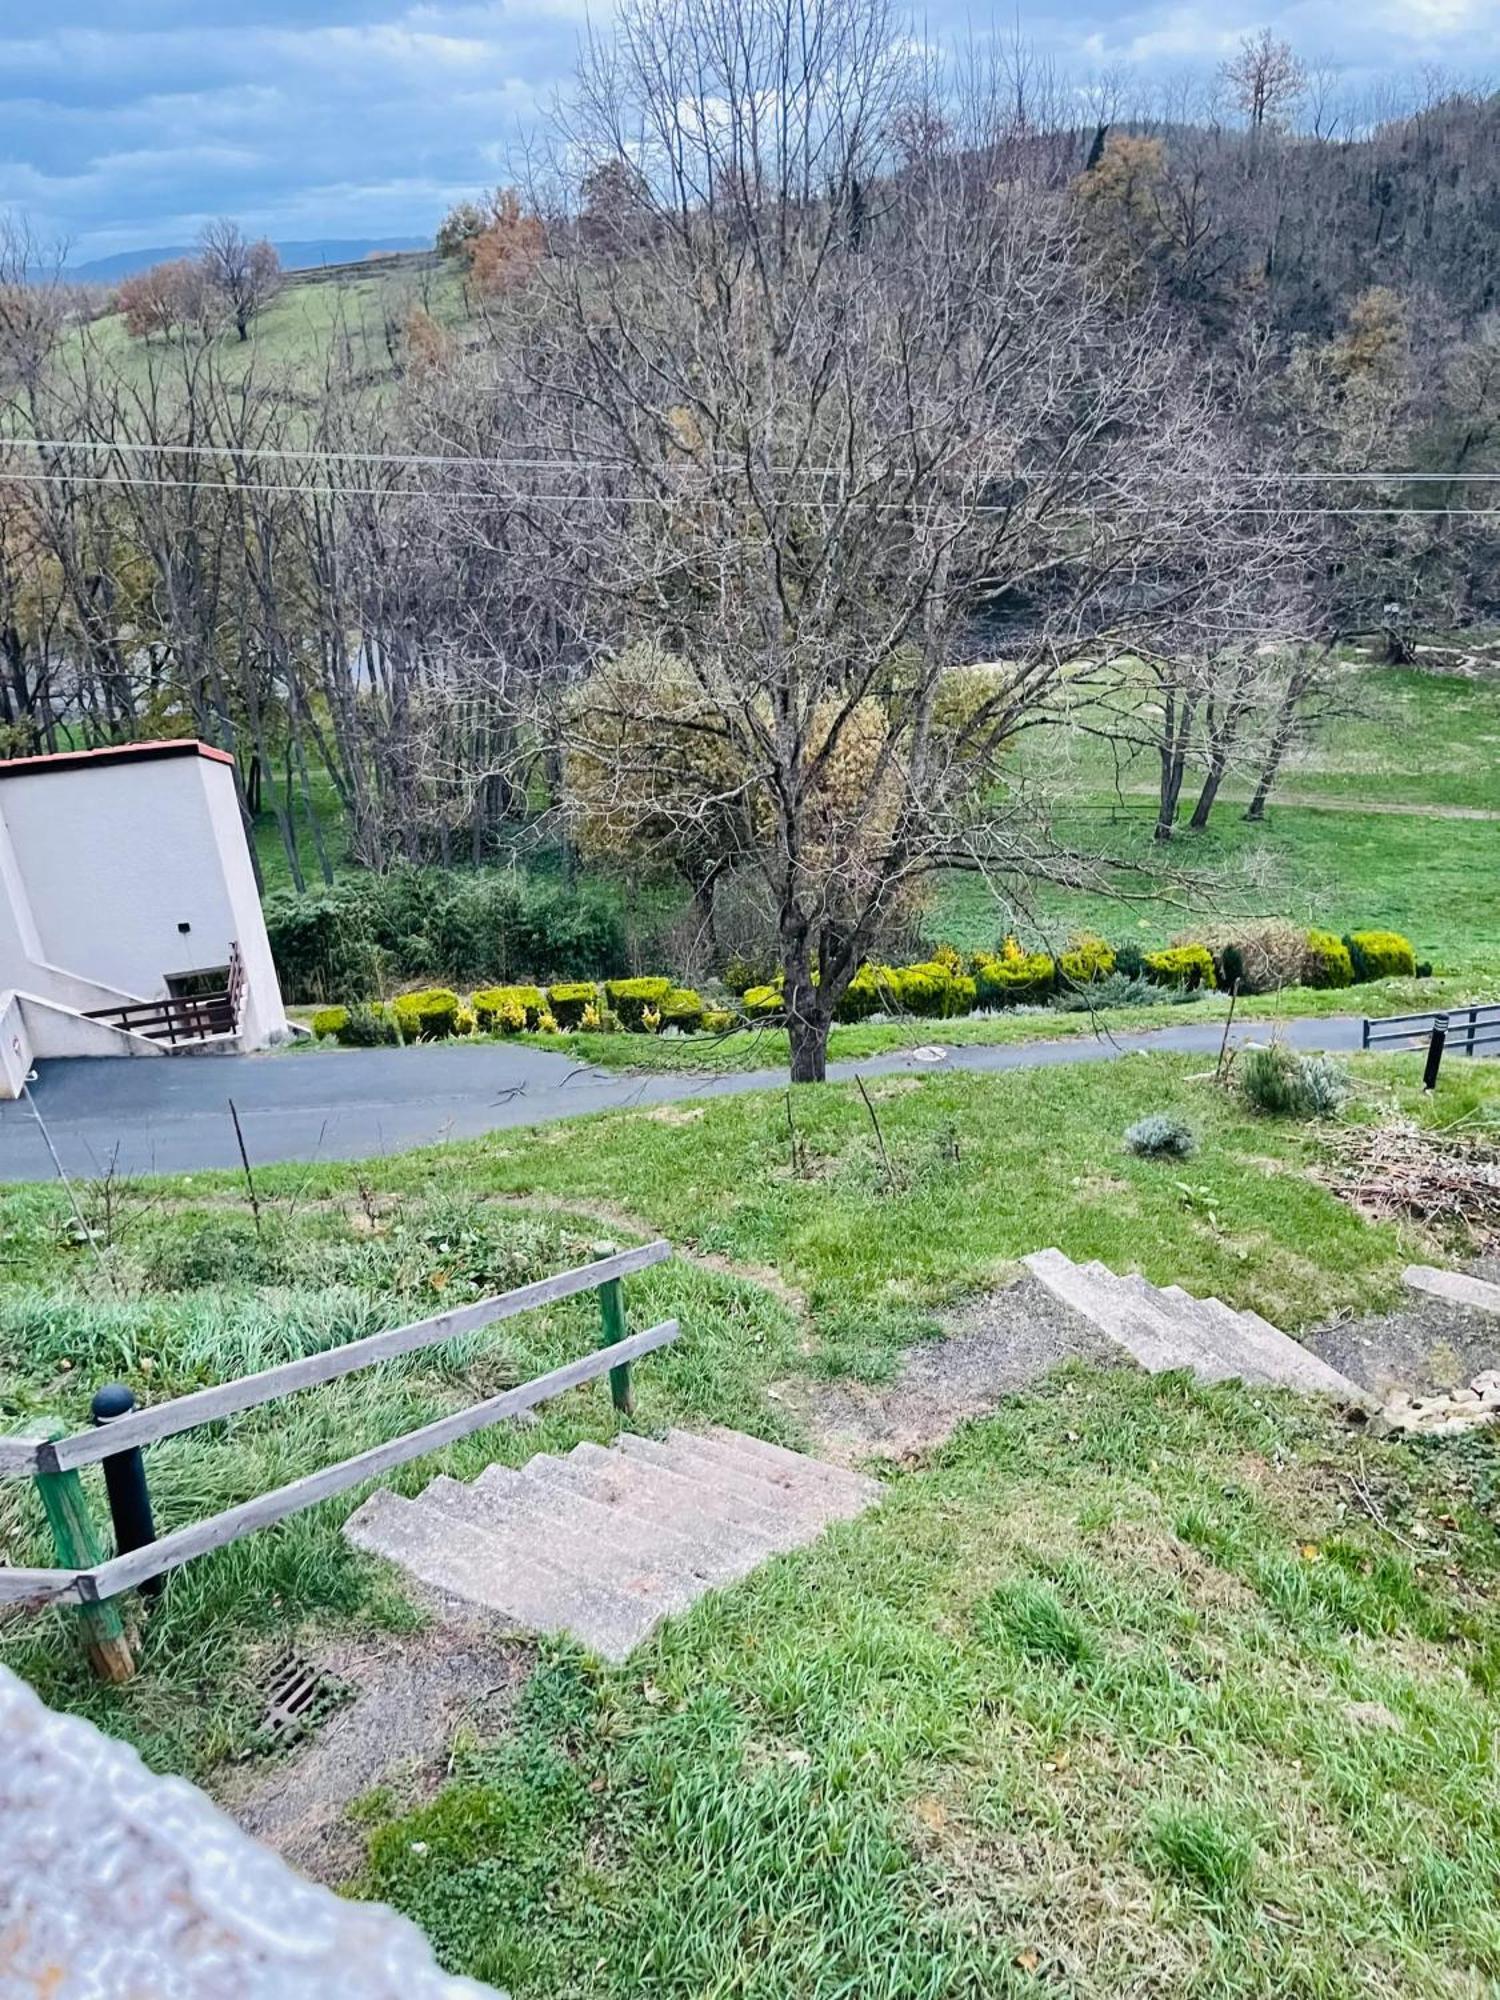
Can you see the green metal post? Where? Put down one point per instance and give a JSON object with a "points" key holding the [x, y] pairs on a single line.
{"points": [[78, 1547], [615, 1327]]}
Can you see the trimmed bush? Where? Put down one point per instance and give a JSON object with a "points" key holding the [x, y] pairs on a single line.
{"points": [[329, 1021], [1380, 955], [1160, 1136], [1130, 960], [569, 1001], [863, 996], [1283, 1084], [631, 997], [761, 1002], [428, 1016], [368, 1027], [930, 991], [718, 1021], [509, 1008], [682, 1009], [1087, 958], [1014, 978], [1185, 966], [1328, 963]]}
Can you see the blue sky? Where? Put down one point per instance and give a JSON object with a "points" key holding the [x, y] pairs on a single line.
{"points": [[126, 123]]}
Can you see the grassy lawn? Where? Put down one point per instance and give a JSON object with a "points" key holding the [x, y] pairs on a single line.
{"points": [[1079, 1702]]}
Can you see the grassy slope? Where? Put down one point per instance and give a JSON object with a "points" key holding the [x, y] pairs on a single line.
{"points": [[1080, 1691]]}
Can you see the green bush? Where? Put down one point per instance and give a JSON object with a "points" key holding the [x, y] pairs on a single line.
{"points": [[1186, 966], [324, 945], [924, 990], [1130, 960], [428, 1016], [1328, 962], [743, 970], [719, 1021], [1160, 1136], [468, 924], [330, 1021], [630, 999], [568, 1000], [1014, 978], [368, 1027], [1380, 955], [509, 1008], [682, 1009], [866, 994], [761, 1002], [1281, 1083], [1118, 990], [1087, 958]]}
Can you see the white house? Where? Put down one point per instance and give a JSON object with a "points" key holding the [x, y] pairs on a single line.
{"points": [[129, 918]]}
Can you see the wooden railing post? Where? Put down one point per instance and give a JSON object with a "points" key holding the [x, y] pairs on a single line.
{"points": [[78, 1547], [614, 1327]]}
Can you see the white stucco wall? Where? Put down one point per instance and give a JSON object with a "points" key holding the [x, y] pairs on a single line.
{"points": [[101, 863]]}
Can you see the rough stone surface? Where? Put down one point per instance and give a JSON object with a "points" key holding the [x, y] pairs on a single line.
{"points": [[992, 1347], [603, 1544], [1427, 1347], [115, 1882], [1457, 1288]]}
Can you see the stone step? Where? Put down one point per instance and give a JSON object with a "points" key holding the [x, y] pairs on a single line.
{"points": [[732, 1543], [774, 1496], [1278, 1358], [1217, 1355], [514, 1497], [451, 1556], [1182, 1344], [559, 1542], [1137, 1333], [760, 1452], [1454, 1288]]}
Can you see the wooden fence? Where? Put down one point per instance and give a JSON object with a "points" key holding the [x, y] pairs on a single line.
{"points": [[90, 1580]]}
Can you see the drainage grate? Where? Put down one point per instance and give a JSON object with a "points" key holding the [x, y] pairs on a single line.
{"points": [[298, 1697]]}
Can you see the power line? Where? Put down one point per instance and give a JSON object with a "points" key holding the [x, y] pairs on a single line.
{"points": [[554, 462]]}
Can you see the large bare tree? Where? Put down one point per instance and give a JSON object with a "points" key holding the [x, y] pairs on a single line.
{"points": [[838, 425]]}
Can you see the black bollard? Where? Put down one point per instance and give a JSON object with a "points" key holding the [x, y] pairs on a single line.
{"points": [[125, 1482], [1435, 1052]]}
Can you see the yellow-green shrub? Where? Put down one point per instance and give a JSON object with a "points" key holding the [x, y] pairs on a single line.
{"points": [[1012, 977], [509, 1008], [1086, 959], [717, 1021], [1380, 955], [427, 1016], [1327, 963], [760, 1002], [465, 1022], [631, 997], [867, 993], [682, 1008], [569, 999], [329, 1021], [1187, 966]]}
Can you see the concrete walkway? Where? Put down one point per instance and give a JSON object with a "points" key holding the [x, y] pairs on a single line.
{"points": [[171, 1114]]}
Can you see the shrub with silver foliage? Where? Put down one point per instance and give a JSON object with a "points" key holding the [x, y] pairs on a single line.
{"points": [[1160, 1136]]}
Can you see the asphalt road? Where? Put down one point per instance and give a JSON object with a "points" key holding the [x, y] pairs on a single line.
{"points": [[171, 1114]]}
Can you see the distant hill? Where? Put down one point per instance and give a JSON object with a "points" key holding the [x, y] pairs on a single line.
{"points": [[295, 256]]}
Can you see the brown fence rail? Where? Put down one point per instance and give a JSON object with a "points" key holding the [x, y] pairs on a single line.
{"points": [[183, 1017], [90, 1580]]}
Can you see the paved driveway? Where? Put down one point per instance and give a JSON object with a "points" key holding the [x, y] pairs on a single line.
{"points": [[171, 1114]]}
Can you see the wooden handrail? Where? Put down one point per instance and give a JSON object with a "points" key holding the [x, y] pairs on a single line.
{"points": [[108, 1579], [23, 1458]]}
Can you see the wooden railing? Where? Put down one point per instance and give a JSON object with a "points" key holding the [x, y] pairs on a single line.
{"points": [[183, 1017], [90, 1580]]}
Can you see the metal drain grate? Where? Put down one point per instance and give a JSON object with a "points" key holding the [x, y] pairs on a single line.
{"points": [[298, 1697]]}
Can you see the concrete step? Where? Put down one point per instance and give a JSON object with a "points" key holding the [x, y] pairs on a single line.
{"points": [[1455, 1288], [1214, 1356], [452, 1556], [774, 1497], [1277, 1358], [733, 1547], [759, 1452], [562, 1544], [1139, 1334], [1181, 1341], [514, 1497]]}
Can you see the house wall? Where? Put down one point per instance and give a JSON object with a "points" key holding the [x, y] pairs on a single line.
{"points": [[100, 865]]}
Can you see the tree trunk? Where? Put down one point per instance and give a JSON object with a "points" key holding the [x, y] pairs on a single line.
{"points": [[1281, 737], [1210, 791], [808, 1034], [1170, 792]]}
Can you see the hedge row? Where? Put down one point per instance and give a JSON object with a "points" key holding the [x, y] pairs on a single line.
{"points": [[943, 987], [371, 932]]}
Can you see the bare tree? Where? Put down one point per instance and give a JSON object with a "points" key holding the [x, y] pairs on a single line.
{"points": [[246, 274], [1265, 79], [836, 424]]}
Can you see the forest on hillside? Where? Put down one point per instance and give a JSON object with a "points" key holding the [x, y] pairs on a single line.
{"points": [[827, 416]]}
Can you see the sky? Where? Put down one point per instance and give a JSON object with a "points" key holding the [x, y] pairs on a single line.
{"points": [[130, 123]]}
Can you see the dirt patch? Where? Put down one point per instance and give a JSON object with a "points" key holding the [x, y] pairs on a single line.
{"points": [[991, 1347], [1425, 1346], [413, 1695]]}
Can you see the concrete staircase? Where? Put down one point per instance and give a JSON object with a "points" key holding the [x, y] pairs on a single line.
{"points": [[1454, 1288], [1166, 1327], [605, 1543]]}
